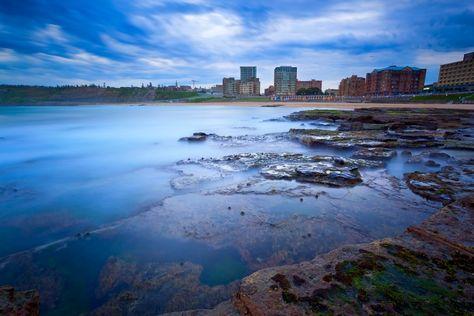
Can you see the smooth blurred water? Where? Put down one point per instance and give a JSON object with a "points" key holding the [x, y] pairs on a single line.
{"points": [[68, 169]]}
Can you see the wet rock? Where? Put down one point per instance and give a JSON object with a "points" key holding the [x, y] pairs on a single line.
{"points": [[240, 140], [262, 186], [320, 173], [435, 257], [439, 155], [328, 170], [196, 137], [341, 139], [298, 281], [377, 127], [246, 161], [148, 289], [406, 153], [13, 302], [393, 118], [432, 163], [375, 153], [417, 159], [189, 178], [444, 186]]}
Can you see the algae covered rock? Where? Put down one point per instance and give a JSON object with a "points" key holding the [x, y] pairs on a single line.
{"points": [[13, 302]]}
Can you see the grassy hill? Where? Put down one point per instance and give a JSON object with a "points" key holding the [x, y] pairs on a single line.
{"points": [[86, 94]]}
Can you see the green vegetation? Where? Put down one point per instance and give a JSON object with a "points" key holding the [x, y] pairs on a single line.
{"points": [[253, 99], [87, 94], [309, 91], [203, 99], [405, 287], [455, 98], [161, 94], [207, 99]]}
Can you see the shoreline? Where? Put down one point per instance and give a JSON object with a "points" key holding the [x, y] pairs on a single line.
{"points": [[325, 105]]}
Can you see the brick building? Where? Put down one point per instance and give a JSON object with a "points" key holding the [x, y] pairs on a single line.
{"points": [[306, 84], [395, 80], [230, 87], [270, 91], [458, 75], [352, 86]]}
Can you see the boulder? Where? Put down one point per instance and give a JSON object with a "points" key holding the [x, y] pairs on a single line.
{"points": [[196, 137]]}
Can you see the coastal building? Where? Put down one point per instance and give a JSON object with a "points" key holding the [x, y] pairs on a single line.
{"points": [[230, 87], [217, 89], [248, 73], [249, 87], [352, 86], [249, 83], [270, 91], [185, 88], [307, 84], [395, 80], [458, 76], [285, 80]]}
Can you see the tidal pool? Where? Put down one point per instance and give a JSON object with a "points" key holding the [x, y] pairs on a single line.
{"points": [[96, 211]]}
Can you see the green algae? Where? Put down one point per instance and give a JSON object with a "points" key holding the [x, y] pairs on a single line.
{"points": [[388, 287]]}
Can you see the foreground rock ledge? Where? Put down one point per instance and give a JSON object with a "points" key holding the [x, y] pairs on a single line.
{"points": [[18, 303], [427, 270]]}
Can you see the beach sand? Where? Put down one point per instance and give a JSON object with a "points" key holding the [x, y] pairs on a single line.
{"points": [[337, 105]]}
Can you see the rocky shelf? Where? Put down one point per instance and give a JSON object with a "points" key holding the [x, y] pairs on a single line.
{"points": [[389, 128], [428, 269]]}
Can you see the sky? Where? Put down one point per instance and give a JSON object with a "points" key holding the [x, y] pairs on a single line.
{"points": [[123, 43]]}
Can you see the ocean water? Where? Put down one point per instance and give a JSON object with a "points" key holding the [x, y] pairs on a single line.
{"points": [[64, 170], [81, 185]]}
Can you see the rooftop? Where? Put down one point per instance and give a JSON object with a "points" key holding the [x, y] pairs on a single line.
{"points": [[396, 68]]}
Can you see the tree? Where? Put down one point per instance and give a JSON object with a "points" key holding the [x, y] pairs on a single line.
{"points": [[309, 91]]}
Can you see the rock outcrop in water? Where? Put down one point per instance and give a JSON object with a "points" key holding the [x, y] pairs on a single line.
{"points": [[314, 173], [445, 185], [196, 137], [374, 153], [389, 128], [18, 303], [326, 170]]}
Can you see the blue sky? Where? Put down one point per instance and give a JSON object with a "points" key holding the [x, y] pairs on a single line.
{"points": [[119, 42]]}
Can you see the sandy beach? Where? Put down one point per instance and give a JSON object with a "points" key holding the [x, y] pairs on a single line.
{"points": [[338, 105]]}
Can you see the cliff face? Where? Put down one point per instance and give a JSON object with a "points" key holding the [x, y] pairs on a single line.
{"points": [[428, 269], [18, 303]]}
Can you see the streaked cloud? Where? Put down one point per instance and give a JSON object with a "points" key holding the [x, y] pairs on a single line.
{"points": [[121, 42]]}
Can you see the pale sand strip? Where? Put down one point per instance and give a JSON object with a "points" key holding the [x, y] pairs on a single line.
{"points": [[324, 105]]}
